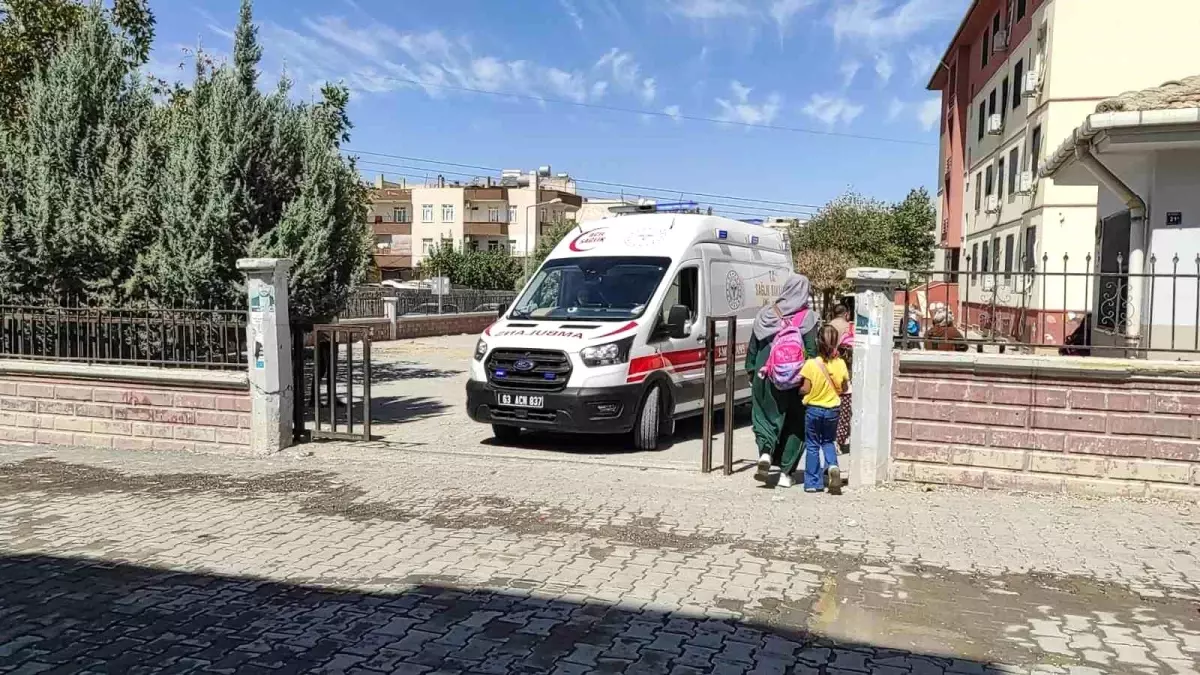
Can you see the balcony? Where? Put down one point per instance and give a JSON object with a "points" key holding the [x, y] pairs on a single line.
{"points": [[486, 194], [392, 259], [391, 227], [485, 228]]}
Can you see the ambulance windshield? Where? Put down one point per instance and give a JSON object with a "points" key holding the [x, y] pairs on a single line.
{"points": [[602, 288]]}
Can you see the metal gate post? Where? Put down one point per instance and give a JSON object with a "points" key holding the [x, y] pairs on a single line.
{"points": [[351, 333], [730, 371], [710, 341]]}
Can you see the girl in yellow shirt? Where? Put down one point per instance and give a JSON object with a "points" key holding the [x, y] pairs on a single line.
{"points": [[824, 380]]}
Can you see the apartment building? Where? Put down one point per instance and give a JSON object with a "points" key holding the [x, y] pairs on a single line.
{"points": [[1015, 80], [411, 220]]}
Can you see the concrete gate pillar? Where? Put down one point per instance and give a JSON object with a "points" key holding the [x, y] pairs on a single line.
{"points": [[269, 346], [871, 428]]}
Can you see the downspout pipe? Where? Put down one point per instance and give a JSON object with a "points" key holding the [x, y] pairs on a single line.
{"points": [[1139, 237]]}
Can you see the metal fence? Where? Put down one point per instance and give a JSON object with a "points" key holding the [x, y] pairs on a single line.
{"points": [[368, 303], [177, 338], [1070, 306]]}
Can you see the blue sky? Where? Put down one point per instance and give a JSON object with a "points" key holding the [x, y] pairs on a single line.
{"points": [[836, 66]]}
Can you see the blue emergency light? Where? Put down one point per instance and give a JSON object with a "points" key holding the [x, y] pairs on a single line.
{"points": [[501, 373], [722, 234], [754, 240]]}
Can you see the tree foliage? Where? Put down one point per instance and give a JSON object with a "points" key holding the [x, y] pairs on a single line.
{"points": [[853, 230], [109, 196], [488, 270]]}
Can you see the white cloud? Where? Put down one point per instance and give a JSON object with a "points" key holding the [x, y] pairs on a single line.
{"points": [[782, 12], [569, 7], [674, 111], [649, 90], [923, 59], [832, 109], [874, 22], [848, 70], [706, 10], [883, 67], [929, 113], [741, 110], [373, 57]]}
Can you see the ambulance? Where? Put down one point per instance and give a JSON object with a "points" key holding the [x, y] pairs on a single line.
{"points": [[608, 336]]}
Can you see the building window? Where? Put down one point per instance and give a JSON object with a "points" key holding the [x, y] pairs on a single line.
{"points": [[400, 213], [1035, 149], [1021, 9], [996, 23], [982, 119], [1031, 248], [427, 213], [493, 245], [447, 244], [952, 264], [1003, 98], [474, 244], [985, 47], [447, 213], [427, 244], [978, 191], [512, 245], [1014, 157], [985, 260], [512, 214], [493, 214], [1018, 83], [995, 254], [992, 103], [974, 263], [1000, 178], [989, 182], [1009, 243]]}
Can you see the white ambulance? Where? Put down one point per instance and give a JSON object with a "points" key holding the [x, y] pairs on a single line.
{"points": [[608, 335]]}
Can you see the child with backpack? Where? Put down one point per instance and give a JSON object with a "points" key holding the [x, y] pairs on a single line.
{"points": [[784, 335], [825, 378]]}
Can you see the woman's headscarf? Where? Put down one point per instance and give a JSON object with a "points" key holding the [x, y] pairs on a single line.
{"points": [[793, 298]]}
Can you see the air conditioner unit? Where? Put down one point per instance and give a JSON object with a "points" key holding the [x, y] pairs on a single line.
{"points": [[995, 124], [379, 219], [993, 204], [1000, 41], [989, 281], [1025, 183], [1030, 84]]}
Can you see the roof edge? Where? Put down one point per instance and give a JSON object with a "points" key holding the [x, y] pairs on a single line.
{"points": [[941, 66], [1097, 123]]}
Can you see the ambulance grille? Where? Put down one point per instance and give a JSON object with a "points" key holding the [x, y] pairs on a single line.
{"points": [[548, 371]]}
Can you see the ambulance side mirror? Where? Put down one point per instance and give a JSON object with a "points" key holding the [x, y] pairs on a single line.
{"points": [[677, 319]]}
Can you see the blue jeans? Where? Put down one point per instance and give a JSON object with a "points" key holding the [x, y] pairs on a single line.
{"points": [[820, 436]]}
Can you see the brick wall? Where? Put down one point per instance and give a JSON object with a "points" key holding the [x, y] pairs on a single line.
{"points": [[132, 414], [1092, 426], [452, 324]]}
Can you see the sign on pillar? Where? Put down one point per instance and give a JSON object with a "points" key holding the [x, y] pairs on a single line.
{"points": [[269, 347], [871, 426]]}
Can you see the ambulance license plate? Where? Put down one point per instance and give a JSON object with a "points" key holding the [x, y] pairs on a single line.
{"points": [[521, 400]]}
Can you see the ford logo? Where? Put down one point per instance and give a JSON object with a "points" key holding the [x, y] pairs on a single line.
{"points": [[523, 365]]}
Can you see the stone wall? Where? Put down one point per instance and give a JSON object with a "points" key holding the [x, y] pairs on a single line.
{"points": [[124, 407], [408, 327], [1053, 424]]}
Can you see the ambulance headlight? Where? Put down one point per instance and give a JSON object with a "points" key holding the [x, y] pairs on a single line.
{"points": [[480, 350], [608, 354]]}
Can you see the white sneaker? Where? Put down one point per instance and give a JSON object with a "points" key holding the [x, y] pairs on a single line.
{"points": [[785, 481], [764, 467]]}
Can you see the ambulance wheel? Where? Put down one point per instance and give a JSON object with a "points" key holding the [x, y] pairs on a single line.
{"points": [[506, 434], [649, 421]]}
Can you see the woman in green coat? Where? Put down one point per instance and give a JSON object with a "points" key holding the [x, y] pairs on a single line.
{"points": [[778, 415]]}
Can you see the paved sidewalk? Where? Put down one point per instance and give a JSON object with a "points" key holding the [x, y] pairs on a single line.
{"points": [[392, 561]]}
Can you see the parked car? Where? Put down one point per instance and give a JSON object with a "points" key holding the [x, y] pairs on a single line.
{"points": [[492, 307], [428, 308]]}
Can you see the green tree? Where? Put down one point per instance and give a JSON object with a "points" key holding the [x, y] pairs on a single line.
{"points": [[488, 270], [545, 245], [109, 196], [826, 271], [858, 225], [913, 231]]}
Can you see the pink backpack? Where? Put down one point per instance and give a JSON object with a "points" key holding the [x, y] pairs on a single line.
{"points": [[783, 365]]}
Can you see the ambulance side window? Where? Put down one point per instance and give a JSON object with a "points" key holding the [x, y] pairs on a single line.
{"points": [[685, 290]]}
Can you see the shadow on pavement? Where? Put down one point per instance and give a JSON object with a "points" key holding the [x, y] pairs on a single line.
{"points": [[69, 615]]}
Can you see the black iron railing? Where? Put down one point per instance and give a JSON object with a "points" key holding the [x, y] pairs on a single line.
{"points": [[370, 303], [1072, 306], [179, 338]]}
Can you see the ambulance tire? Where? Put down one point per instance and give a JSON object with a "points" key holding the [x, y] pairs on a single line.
{"points": [[649, 421], [506, 434]]}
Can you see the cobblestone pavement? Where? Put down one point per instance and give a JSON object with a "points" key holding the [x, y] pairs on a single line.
{"points": [[418, 562]]}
